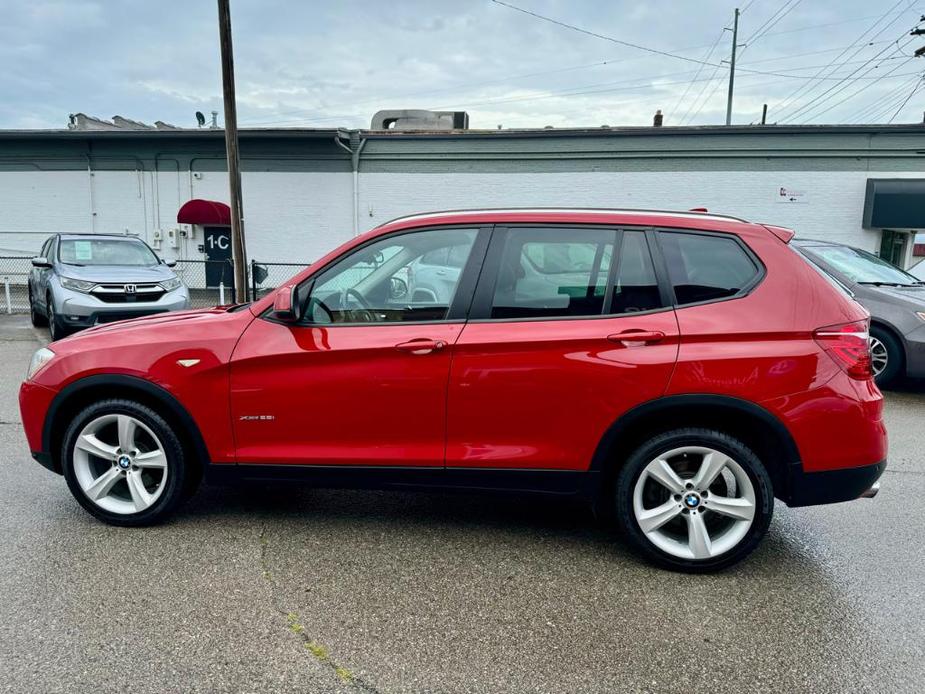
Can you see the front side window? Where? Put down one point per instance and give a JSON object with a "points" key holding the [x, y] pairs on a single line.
{"points": [[553, 272], [705, 267], [104, 251], [389, 281]]}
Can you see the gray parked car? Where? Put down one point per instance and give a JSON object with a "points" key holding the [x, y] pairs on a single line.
{"points": [[895, 299], [80, 280]]}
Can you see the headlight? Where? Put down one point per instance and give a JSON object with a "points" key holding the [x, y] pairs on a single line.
{"points": [[77, 285], [171, 284], [39, 359]]}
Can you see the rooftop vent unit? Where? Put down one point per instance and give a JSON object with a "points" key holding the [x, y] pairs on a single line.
{"points": [[419, 119]]}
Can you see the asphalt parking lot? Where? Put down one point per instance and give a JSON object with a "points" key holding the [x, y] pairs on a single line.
{"points": [[297, 590]]}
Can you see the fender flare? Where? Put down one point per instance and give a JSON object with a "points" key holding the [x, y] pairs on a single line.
{"points": [[160, 394], [791, 454]]}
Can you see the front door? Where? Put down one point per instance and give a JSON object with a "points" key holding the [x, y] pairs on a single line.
{"points": [[362, 379], [893, 247], [565, 336], [217, 245]]}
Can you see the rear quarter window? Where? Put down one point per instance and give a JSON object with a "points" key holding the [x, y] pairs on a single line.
{"points": [[706, 267]]}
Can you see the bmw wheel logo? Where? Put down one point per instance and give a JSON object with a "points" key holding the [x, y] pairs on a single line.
{"points": [[692, 501]]}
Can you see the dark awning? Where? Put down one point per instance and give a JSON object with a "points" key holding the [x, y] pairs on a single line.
{"points": [[205, 212], [895, 203]]}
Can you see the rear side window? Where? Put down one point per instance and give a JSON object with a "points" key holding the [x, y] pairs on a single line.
{"points": [[704, 267], [553, 272]]}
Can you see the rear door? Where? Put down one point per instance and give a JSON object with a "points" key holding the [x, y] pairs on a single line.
{"points": [[569, 329]]}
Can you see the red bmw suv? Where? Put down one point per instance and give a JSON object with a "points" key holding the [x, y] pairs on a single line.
{"points": [[679, 370]]}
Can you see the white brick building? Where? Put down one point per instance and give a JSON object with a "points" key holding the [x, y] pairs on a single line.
{"points": [[299, 184]]}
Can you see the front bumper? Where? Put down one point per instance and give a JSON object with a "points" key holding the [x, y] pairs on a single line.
{"points": [[78, 310], [915, 352], [832, 486]]}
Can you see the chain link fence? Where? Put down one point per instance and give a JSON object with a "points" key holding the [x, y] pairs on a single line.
{"points": [[265, 277], [14, 273], [210, 282]]}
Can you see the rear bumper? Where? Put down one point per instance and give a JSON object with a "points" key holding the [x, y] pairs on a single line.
{"points": [[832, 486]]}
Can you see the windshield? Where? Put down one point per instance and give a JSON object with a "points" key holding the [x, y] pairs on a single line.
{"points": [[860, 266], [105, 252]]}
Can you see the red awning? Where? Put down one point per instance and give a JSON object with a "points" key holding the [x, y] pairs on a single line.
{"points": [[205, 212]]}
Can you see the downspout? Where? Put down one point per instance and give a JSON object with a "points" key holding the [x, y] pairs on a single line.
{"points": [[90, 190], [355, 149]]}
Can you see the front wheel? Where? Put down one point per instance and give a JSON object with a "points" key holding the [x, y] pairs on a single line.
{"points": [[694, 500], [124, 464], [56, 328]]}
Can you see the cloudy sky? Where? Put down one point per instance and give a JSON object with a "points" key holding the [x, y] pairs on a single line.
{"points": [[324, 64]]}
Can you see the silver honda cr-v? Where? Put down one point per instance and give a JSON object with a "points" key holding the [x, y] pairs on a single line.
{"points": [[80, 280]]}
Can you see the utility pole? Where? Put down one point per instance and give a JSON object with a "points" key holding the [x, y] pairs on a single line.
{"points": [[238, 255], [732, 67]]}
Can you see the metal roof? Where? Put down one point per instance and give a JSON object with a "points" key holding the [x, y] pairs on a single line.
{"points": [[665, 131]]}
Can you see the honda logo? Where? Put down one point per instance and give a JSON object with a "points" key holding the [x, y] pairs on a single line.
{"points": [[130, 288]]}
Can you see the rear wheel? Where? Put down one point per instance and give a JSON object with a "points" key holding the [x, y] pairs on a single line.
{"points": [[886, 356], [694, 500], [124, 464]]}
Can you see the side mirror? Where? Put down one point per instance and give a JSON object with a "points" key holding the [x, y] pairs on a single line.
{"points": [[170, 263], [40, 261], [286, 305]]}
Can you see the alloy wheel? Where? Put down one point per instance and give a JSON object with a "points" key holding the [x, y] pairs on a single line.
{"points": [[120, 464], [694, 502], [879, 356]]}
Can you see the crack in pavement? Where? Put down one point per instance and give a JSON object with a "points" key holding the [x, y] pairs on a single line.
{"points": [[317, 650]]}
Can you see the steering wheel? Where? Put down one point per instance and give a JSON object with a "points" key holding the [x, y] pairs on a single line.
{"points": [[352, 293], [364, 315]]}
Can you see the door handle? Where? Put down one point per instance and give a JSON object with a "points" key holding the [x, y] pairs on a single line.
{"points": [[636, 338], [421, 346]]}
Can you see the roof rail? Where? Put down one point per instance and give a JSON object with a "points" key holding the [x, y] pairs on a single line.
{"points": [[532, 208]]}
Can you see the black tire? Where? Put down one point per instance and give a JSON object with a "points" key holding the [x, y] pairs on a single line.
{"points": [[38, 319], [896, 357], [56, 329], [629, 474], [177, 485]]}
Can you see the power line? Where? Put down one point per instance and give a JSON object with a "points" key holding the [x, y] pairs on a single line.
{"points": [[853, 94], [604, 37], [903, 104], [882, 105], [700, 68], [782, 12], [842, 84], [811, 82]]}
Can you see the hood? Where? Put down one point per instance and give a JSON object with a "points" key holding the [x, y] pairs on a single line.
{"points": [[200, 316], [117, 273], [913, 296]]}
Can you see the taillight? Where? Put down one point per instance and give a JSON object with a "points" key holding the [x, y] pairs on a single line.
{"points": [[849, 345]]}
